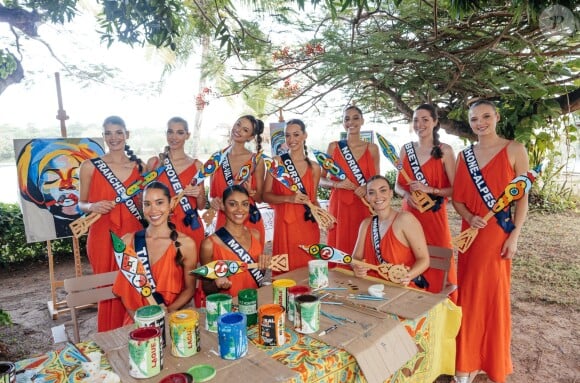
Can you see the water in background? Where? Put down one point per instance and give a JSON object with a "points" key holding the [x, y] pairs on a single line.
{"points": [[9, 188]]}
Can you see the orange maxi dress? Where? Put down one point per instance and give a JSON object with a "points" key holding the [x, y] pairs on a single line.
{"points": [[185, 178], [345, 206], [168, 277], [100, 248], [239, 281], [290, 228], [435, 224], [484, 338], [392, 251], [217, 187]]}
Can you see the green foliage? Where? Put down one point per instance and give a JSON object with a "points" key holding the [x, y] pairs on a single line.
{"points": [[13, 246], [391, 176], [323, 194], [5, 318], [7, 64]]}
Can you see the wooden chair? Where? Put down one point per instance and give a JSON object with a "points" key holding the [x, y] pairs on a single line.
{"points": [[440, 259], [87, 290]]}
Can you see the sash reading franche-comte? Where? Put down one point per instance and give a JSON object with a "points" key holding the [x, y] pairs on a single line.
{"points": [[241, 252], [117, 186], [352, 164], [419, 175], [503, 217]]}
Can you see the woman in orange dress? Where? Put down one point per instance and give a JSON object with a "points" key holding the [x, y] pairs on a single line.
{"points": [[102, 180], [360, 160], [293, 226], [177, 176], [431, 166], [235, 242], [484, 270], [246, 129], [171, 256], [390, 236]]}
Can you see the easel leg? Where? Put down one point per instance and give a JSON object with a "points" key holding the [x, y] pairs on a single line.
{"points": [[77, 257], [54, 307]]}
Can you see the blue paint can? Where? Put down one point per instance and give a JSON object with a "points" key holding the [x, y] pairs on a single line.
{"points": [[232, 335]]}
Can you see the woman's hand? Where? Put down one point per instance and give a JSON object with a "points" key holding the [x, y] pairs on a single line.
{"points": [[410, 201], [361, 191], [360, 270], [417, 185], [346, 184], [248, 186], [193, 191], [477, 222], [217, 204], [102, 207], [299, 198], [509, 248], [223, 283], [264, 261]]}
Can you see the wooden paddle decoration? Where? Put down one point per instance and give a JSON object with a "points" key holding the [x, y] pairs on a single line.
{"points": [[81, 225], [328, 164], [226, 268], [324, 219], [421, 199], [133, 268], [514, 191], [388, 271]]}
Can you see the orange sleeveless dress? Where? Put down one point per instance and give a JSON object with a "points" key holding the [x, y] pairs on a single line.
{"points": [[484, 277], [345, 206], [435, 224], [100, 248]]}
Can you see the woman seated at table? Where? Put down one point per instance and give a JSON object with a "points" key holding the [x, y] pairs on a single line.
{"points": [[391, 236], [235, 242], [171, 256]]}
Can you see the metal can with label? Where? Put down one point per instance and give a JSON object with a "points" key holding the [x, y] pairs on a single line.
{"points": [[306, 314], [271, 329], [144, 352], [280, 291], [184, 331]]}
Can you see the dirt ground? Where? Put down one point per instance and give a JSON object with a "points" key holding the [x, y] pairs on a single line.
{"points": [[545, 345]]}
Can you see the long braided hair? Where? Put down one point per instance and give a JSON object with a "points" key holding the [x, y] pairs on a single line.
{"points": [[174, 234], [436, 151], [116, 120], [300, 123], [257, 129]]}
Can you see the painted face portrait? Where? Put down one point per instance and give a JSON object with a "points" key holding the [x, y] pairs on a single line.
{"points": [[48, 176]]}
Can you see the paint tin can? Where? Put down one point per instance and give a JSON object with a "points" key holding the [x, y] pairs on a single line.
{"points": [[294, 292], [216, 305], [248, 304], [232, 336], [152, 316], [184, 331], [7, 372], [145, 352], [306, 314], [280, 291], [177, 378], [317, 273], [271, 325]]}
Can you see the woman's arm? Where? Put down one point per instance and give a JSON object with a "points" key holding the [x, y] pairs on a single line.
{"points": [[86, 175], [414, 237], [449, 165], [358, 252], [211, 286]]}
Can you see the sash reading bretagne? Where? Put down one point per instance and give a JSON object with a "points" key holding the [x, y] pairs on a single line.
{"points": [[293, 172], [242, 253], [503, 217], [419, 176], [117, 186], [191, 218]]}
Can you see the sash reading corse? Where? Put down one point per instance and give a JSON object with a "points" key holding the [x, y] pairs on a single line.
{"points": [[418, 173], [297, 181]]}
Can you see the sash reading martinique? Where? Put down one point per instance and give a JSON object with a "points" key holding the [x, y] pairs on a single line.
{"points": [[191, 218], [242, 253], [243, 175], [293, 172], [503, 217], [419, 176], [352, 164]]}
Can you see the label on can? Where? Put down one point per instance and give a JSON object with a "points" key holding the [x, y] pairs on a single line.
{"points": [[248, 304], [144, 352], [306, 314], [271, 325], [280, 291], [232, 336], [294, 292], [184, 331]]}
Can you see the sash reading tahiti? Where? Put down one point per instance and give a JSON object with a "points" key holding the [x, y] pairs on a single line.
{"points": [[122, 193], [242, 253], [503, 217], [352, 164], [293, 172], [418, 173], [420, 281], [191, 218], [141, 251]]}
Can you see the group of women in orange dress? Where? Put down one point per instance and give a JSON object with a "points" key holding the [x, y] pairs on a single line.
{"points": [[367, 226]]}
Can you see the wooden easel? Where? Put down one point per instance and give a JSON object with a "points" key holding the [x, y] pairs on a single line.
{"points": [[55, 308]]}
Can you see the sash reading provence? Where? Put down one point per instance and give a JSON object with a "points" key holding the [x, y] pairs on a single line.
{"points": [[117, 186], [418, 173], [352, 164], [141, 251], [191, 218], [291, 169], [242, 253], [503, 217]]}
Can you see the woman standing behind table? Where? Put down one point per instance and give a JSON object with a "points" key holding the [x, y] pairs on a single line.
{"points": [[359, 160], [484, 270], [235, 242], [179, 171], [246, 129], [434, 162], [171, 256], [293, 226], [103, 179], [390, 236]]}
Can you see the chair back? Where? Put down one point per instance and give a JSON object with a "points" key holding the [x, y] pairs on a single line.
{"points": [[440, 259]]}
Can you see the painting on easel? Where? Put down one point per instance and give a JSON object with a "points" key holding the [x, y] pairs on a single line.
{"points": [[48, 183]]}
